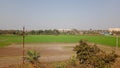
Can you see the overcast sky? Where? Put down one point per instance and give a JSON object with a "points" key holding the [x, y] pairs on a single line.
{"points": [[59, 14]]}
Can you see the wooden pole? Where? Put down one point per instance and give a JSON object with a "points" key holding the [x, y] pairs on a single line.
{"points": [[23, 44]]}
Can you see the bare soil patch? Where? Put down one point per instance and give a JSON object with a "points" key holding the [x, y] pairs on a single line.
{"points": [[50, 52]]}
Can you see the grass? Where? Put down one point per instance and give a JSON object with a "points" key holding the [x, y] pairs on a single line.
{"points": [[10, 39]]}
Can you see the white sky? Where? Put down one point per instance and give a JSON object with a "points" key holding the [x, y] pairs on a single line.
{"points": [[59, 14]]}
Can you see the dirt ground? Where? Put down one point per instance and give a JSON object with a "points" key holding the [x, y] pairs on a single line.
{"points": [[49, 52]]}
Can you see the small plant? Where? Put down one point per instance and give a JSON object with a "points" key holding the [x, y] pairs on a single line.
{"points": [[60, 65], [33, 58], [73, 60]]}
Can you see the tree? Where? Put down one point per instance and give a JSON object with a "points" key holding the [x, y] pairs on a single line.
{"points": [[91, 55], [33, 32], [56, 32], [40, 31]]}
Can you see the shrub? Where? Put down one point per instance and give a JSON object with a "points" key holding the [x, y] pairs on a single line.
{"points": [[91, 55], [33, 58]]}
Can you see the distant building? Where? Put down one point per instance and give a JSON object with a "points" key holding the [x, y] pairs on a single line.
{"points": [[114, 29], [64, 30]]}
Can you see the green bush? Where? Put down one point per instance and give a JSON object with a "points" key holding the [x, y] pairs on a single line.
{"points": [[91, 55], [33, 58]]}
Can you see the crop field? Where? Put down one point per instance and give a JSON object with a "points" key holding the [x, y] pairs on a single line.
{"points": [[10, 39]]}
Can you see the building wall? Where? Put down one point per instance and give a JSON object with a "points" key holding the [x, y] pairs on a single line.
{"points": [[114, 29]]}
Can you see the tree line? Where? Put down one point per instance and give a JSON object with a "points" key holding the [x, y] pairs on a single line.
{"points": [[58, 32], [39, 32]]}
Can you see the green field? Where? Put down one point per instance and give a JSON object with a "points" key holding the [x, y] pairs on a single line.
{"points": [[9, 39]]}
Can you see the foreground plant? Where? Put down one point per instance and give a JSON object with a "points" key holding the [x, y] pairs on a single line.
{"points": [[92, 56], [73, 60], [60, 65], [33, 58]]}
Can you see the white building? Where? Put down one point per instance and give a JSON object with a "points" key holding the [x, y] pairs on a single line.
{"points": [[64, 30], [114, 29]]}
